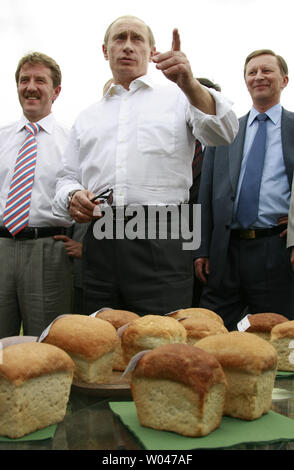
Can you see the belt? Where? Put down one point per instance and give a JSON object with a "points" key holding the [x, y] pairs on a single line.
{"points": [[29, 233], [251, 234]]}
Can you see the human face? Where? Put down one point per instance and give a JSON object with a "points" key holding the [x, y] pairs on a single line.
{"points": [[128, 50], [35, 91], [265, 81]]}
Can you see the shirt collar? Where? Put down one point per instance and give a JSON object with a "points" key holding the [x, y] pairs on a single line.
{"points": [[46, 123], [139, 82], [274, 113]]}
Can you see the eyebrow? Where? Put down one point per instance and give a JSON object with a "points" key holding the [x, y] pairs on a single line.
{"points": [[125, 33]]}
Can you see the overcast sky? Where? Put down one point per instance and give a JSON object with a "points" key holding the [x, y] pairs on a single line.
{"points": [[216, 36]]}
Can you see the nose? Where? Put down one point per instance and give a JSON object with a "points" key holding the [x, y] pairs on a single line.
{"points": [[128, 47], [31, 85], [259, 75]]}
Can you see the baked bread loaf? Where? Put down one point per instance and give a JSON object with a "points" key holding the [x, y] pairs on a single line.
{"points": [[197, 313], [249, 363], [179, 388], [261, 324], [149, 332], [198, 328], [90, 342], [282, 338], [118, 318], [35, 381]]}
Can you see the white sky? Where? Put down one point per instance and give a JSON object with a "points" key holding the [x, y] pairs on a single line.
{"points": [[216, 36]]}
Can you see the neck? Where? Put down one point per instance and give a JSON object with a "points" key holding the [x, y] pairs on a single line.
{"points": [[125, 81], [263, 107]]}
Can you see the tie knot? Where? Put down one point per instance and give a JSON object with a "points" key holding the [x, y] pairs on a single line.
{"points": [[32, 128], [262, 117]]}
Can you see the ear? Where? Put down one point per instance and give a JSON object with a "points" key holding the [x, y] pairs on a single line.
{"points": [[152, 53], [57, 91], [105, 53], [285, 81]]}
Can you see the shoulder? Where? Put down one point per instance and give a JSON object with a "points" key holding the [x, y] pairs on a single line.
{"points": [[287, 114]]}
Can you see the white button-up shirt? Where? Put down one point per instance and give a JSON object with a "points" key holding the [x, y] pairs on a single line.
{"points": [[51, 142], [140, 142]]}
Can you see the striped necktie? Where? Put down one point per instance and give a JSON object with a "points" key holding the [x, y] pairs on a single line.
{"points": [[16, 214]]}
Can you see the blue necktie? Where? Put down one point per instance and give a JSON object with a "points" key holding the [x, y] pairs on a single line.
{"points": [[247, 211]]}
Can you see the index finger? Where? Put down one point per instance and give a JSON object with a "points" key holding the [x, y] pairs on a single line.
{"points": [[176, 43]]}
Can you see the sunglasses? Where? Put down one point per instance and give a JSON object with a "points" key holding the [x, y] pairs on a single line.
{"points": [[105, 196]]}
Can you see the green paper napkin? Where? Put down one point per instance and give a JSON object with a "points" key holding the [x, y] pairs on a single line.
{"points": [[270, 428], [41, 435]]}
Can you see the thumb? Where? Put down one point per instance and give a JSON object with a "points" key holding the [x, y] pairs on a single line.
{"points": [[176, 43]]}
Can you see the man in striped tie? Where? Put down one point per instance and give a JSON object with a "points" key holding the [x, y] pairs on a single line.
{"points": [[35, 270]]}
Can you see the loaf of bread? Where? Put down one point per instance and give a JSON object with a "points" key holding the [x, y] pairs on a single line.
{"points": [[261, 324], [35, 381], [118, 318], [90, 342], [249, 363], [198, 328], [282, 338], [197, 313], [179, 388], [149, 332]]}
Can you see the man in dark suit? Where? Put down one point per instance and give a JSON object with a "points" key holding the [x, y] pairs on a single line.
{"points": [[247, 264], [194, 190]]}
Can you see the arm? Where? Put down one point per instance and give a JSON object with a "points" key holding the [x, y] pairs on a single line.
{"points": [[80, 208], [201, 256]]}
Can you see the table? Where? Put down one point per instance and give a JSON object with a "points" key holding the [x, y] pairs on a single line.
{"points": [[89, 424]]}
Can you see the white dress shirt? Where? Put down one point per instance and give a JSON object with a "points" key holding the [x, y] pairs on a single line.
{"points": [[140, 142], [51, 142]]}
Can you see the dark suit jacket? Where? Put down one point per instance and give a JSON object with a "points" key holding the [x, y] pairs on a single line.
{"points": [[219, 180]]}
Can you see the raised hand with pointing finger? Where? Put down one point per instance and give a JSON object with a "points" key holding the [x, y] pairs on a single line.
{"points": [[175, 65]]}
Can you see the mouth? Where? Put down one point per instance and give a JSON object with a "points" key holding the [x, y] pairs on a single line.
{"points": [[126, 60], [31, 98]]}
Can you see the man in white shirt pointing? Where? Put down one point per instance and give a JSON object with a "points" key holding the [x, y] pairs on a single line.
{"points": [[139, 141], [35, 270]]}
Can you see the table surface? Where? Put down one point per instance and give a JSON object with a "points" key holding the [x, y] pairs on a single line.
{"points": [[89, 424]]}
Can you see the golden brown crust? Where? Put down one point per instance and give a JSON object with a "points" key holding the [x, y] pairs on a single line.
{"points": [[28, 360], [198, 328], [264, 321], [155, 326], [283, 330], [181, 363], [117, 318], [241, 350], [82, 335], [151, 331], [197, 313]]}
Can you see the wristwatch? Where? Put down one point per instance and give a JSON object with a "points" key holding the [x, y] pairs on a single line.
{"points": [[70, 196]]}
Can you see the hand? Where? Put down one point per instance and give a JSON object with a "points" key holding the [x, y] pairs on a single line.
{"points": [[176, 67], [201, 266], [283, 220], [174, 64], [73, 248], [81, 208], [292, 258]]}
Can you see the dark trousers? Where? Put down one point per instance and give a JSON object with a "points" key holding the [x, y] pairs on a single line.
{"points": [[144, 276], [257, 275]]}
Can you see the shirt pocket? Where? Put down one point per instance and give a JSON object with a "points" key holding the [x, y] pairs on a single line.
{"points": [[156, 134]]}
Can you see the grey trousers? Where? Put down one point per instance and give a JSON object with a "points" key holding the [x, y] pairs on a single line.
{"points": [[258, 275], [36, 284]]}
